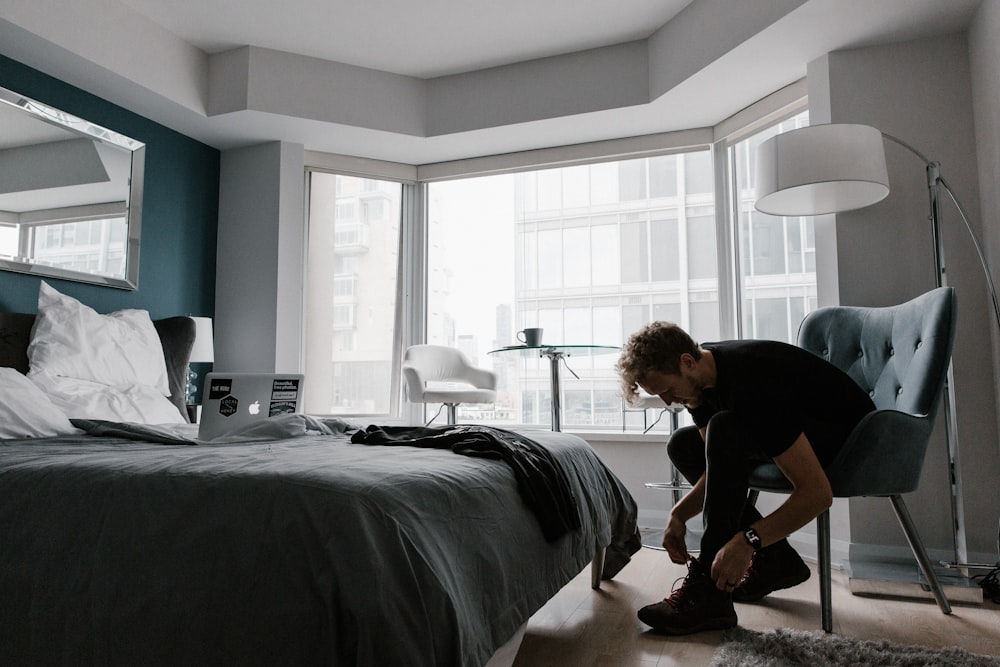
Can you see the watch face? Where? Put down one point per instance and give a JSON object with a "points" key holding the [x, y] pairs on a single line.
{"points": [[753, 538]]}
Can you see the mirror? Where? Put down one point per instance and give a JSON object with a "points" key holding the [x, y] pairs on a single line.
{"points": [[70, 196]]}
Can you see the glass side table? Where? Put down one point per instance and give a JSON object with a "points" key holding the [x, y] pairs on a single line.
{"points": [[555, 354]]}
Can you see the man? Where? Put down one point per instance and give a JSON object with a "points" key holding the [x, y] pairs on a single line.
{"points": [[751, 401]]}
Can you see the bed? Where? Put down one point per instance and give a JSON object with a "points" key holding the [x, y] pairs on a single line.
{"points": [[306, 550]]}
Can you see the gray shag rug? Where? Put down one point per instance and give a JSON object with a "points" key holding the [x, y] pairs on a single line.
{"points": [[791, 648]]}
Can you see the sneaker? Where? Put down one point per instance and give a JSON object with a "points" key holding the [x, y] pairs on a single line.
{"points": [[773, 568], [694, 606]]}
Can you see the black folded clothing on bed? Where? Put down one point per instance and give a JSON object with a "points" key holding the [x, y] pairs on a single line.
{"points": [[540, 481]]}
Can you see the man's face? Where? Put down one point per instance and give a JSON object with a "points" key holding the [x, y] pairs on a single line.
{"points": [[676, 388]]}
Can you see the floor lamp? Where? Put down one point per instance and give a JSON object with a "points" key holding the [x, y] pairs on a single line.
{"points": [[835, 168]]}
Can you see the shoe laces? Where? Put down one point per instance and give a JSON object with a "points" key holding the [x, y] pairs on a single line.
{"points": [[751, 571], [683, 594]]}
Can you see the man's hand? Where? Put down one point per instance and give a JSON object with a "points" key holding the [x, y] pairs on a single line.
{"points": [[810, 496], [673, 540], [731, 563]]}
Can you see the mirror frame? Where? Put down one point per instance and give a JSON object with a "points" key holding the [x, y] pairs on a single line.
{"points": [[133, 205]]}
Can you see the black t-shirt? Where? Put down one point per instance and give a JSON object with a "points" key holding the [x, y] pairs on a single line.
{"points": [[778, 391]]}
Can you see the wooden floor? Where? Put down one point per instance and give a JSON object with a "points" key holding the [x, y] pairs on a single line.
{"points": [[581, 627]]}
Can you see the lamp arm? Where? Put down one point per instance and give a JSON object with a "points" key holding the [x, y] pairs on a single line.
{"points": [[961, 210], [897, 140], [979, 248]]}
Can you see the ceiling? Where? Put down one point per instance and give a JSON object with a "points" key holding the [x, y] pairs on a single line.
{"points": [[424, 39], [412, 81]]}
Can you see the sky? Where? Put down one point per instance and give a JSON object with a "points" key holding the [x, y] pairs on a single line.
{"points": [[477, 219]]}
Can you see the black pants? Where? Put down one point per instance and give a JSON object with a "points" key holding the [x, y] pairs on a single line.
{"points": [[728, 457]]}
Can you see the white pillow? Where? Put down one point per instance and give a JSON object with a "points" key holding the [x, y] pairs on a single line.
{"points": [[83, 399], [121, 350], [25, 412]]}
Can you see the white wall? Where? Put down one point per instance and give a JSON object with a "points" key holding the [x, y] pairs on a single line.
{"points": [[984, 59], [259, 279], [920, 92]]}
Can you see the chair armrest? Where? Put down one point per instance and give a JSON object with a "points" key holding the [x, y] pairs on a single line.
{"points": [[884, 455], [481, 378], [414, 383]]}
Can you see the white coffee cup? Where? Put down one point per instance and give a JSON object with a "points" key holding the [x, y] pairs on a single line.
{"points": [[530, 337]]}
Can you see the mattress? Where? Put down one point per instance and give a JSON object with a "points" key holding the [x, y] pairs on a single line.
{"points": [[307, 550]]}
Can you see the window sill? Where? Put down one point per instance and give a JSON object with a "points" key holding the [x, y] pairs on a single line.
{"points": [[621, 436]]}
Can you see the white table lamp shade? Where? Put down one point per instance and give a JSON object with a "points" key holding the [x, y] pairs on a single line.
{"points": [[203, 350], [821, 169]]}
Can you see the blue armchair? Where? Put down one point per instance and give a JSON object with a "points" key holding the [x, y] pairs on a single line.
{"points": [[900, 355]]}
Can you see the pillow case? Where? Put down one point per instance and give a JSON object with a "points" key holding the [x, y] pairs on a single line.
{"points": [[84, 399], [26, 412], [112, 366], [121, 349]]}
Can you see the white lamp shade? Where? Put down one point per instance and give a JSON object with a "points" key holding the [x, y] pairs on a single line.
{"points": [[203, 349], [821, 169]]}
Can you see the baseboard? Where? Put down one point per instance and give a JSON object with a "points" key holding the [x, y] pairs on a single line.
{"points": [[881, 571]]}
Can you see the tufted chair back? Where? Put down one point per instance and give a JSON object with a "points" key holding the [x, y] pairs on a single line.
{"points": [[898, 354]]}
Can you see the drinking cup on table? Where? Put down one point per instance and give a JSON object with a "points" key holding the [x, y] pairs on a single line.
{"points": [[530, 337]]}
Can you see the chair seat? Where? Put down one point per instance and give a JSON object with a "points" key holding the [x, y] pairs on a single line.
{"points": [[768, 477], [458, 395]]}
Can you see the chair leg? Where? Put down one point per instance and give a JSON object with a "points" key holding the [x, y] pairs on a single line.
{"points": [[910, 530], [824, 566]]}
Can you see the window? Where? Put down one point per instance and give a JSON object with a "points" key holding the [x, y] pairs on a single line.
{"points": [[777, 255], [589, 253], [351, 292]]}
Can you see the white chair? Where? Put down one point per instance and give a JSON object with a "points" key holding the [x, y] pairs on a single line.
{"points": [[441, 374]]}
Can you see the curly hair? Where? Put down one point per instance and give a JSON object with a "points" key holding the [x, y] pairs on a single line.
{"points": [[658, 346]]}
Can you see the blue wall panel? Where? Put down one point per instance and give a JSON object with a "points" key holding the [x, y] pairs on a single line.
{"points": [[179, 213]]}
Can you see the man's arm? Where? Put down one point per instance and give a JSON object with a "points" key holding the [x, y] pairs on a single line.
{"points": [[811, 495], [686, 508]]}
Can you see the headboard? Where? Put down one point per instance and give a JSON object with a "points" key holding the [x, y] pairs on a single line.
{"points": [[176, 337]]}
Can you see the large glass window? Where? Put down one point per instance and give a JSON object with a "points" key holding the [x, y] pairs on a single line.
{"points": [[590, 254], [353, 256], [777, 254]]}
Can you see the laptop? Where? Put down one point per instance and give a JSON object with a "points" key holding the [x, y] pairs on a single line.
{"points": [[233, 401]]}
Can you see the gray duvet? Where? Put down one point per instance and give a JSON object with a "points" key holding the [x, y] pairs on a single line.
{"points": [[298, 551]]}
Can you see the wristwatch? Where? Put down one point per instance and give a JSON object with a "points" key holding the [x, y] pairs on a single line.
{"points": [[753, 539]]}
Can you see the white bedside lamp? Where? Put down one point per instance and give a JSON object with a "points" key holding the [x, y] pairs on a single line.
{"points": [[202, 351]]}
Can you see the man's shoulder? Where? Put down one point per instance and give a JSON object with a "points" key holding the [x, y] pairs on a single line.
{"points": [[754, 346]]}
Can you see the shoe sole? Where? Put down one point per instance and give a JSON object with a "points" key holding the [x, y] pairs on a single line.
{"points": [[780, 585], [714, 624]]}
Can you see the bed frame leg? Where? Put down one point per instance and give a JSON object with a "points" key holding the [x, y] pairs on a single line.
{"points": [[597, 568]]}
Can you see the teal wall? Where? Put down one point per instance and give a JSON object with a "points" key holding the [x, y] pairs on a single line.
{"points": [[179, 212]]}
